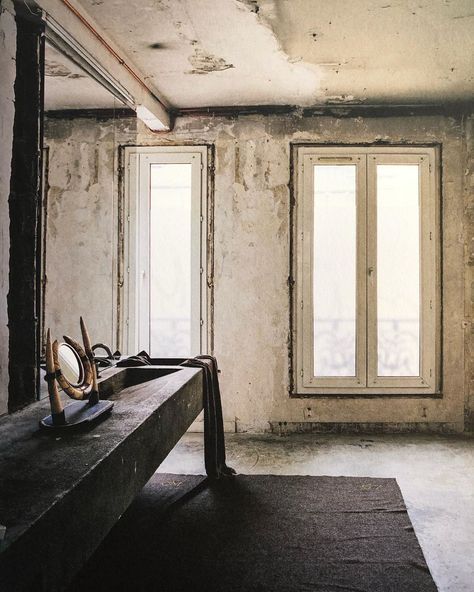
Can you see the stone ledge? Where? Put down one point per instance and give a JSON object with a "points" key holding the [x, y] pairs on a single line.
{"points": [[61, 493]]}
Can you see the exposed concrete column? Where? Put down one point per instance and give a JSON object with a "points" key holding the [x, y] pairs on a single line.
{"points": [[7, 114], [24, 209]]}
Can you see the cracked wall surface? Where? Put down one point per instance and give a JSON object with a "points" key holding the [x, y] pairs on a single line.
{"points": [[251, 259], [468, 189], [7, 110], [81, 243], [251, 245]]}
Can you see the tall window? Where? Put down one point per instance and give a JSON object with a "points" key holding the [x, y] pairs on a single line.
{"points": [[366, 307], [166, 251]]}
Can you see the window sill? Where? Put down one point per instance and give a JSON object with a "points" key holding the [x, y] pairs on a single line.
{"points": [[374, 395]]}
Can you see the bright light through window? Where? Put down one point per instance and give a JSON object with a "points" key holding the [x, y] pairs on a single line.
{"points": [[366, 302]]}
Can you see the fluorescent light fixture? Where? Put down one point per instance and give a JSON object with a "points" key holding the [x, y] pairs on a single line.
{"points": [[146, 105], [64, 42]]}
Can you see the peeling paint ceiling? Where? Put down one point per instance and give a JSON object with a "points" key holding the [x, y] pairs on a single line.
{"points": [[198, 53]]}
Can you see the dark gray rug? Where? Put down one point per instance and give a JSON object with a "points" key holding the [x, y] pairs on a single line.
{"points": [[261, 533]]}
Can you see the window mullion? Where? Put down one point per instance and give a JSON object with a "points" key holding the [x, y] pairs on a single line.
{"points": [[428, 272], [142, 270], [305, 300], [361, 277], [371, 271], [197, 266]]}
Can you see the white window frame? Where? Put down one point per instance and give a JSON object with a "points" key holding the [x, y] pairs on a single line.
{"points": [[134, 335], [366, 381]]}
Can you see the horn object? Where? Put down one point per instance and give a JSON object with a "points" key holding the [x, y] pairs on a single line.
{"points": [[55, 401], [90, 354]]}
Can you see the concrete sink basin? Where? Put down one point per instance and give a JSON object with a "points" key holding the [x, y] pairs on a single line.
{"points": [[118, 379]]}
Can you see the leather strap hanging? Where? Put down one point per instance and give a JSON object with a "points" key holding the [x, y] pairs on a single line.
{"points": [[214, 442]]}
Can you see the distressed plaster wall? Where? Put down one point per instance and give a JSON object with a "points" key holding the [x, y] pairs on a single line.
{"points": [[468, 186], [7, 111], [251, 242], [81, 224], [251, 256]]}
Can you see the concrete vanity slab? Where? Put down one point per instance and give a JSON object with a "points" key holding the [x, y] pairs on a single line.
{"points": [[61, 492]]}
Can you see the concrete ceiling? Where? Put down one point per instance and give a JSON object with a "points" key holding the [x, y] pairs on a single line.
{"points": [[67, 86], [199, 53]]}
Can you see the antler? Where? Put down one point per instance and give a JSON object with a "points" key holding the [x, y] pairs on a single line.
{"points": [[86, 339], [55, 401], [90, 354]]}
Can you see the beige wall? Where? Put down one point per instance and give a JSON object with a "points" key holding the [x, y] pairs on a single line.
{"points": [[7, 114], [251, 260], [468, 239], [81, 224]]}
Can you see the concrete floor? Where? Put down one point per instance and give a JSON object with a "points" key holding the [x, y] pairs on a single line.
{"points": [[435, 474]]}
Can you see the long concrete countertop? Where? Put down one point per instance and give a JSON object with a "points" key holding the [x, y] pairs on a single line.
{"points": [[61, 492]]}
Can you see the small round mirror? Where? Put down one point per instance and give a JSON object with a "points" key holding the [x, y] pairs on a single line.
{"points": [[71, 365]]}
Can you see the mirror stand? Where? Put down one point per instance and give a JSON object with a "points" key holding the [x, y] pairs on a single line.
{"points": [[76, 414], [72, 368]]}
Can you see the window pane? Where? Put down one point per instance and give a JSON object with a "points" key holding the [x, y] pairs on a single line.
{"points": [[398, 270], [170, 260], [334, 270]]}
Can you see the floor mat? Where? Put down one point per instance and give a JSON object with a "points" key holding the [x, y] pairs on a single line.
{"points": [[263, 533]]}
